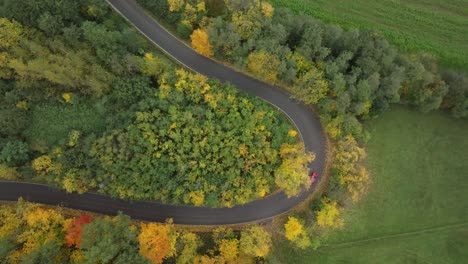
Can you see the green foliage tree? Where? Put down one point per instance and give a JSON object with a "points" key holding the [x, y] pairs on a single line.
{"points": [[187, 245], [7, 245], [457, 97], [12, 121], [423, 87], [108, 240], [29, 12], [50, 252], [14, 152], [129, 91]]}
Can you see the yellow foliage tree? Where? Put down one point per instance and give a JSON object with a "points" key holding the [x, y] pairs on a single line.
{"points": [[329, 215], [42, 225], [197, 198], [264, 65], [292, 133], [294, 232], [23, 105], [67, 97], [293, 171], [42, 164], [201, 43], [8, 173], [348, 159], [267, 9], [10, 33], [157, 241], [9, 221], [333, 129], [255, 242], [205, 260], [175, 5], [190, 244], [229, 250], [293, 228], [152, 66]]}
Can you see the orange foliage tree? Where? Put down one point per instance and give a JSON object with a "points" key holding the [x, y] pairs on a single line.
{"points": [[157, 241], [201, 43], [74, 228]]}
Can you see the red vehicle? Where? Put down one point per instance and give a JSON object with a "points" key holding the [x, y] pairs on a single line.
{"points": [[313, 177]]}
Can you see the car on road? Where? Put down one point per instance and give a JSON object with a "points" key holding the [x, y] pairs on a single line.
{"points": [[313, 177]]}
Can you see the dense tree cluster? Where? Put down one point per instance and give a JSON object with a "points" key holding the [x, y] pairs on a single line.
{"points": [[199, 142], [30, 233], [83, 106]]}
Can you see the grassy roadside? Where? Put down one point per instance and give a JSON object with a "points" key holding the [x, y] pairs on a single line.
{"points": [[437, 27], [419, 190]]}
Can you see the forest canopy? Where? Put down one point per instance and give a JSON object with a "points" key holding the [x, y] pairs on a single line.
{"points": [[86, 105], [31, 233]]}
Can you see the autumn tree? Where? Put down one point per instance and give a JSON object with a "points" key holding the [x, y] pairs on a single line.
{"points": [[10, 221], [10, 33], [311, 86], [201, 43], [204, 259], [350, 170], [74, 228], [228, 249], [255, 241], [264, 65], [329, 214], [175, 5], [294, 232], [8, 173], [153, 66], [293, 172], [39, 226], [267, 9], [157, 241], [42, 164], [65, 70]]}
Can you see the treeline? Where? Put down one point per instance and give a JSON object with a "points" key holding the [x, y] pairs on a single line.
{"points": [[30, 233], [85, 106], [33, 233]]}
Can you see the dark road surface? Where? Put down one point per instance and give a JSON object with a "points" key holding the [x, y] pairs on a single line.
{"points": [[306, 122]]}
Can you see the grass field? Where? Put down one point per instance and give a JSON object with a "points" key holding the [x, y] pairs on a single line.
{"points": [[417, 207], [436, 26]]}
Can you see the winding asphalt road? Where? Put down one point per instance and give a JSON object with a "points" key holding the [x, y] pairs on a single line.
{"points": [[306, 122]]}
